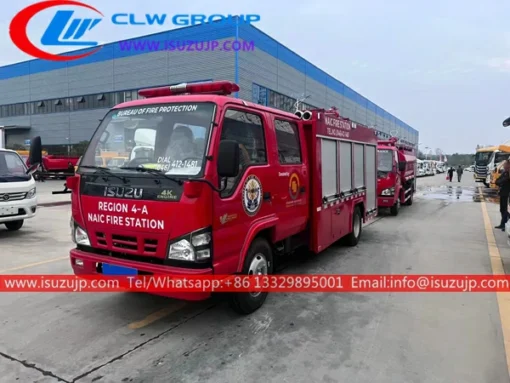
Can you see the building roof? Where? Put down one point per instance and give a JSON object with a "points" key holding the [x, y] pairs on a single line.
{"points": [[208, 31]]}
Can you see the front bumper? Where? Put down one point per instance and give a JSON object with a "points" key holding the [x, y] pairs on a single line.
{"points": [[25, 209], [91, 263], [386, 201]]}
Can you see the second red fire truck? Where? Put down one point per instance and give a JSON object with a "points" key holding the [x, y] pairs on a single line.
{"points": [[396, 175], [229, 186]]}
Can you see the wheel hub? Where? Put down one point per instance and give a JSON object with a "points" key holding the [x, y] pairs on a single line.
{"points": [[258, 266]]}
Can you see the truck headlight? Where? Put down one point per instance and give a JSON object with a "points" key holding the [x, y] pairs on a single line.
{"points": [[31, 193], [193, 247], [389, 191], [79, 235]]}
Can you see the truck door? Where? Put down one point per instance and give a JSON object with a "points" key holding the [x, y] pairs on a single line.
{"points": [[292, 189], [247, 197]]}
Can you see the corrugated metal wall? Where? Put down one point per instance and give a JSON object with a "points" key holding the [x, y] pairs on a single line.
{"points": [[269, 67], [118, 74]]}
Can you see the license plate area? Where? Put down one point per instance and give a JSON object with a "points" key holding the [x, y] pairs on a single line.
{"points": [[8, 210], [118, 270]]}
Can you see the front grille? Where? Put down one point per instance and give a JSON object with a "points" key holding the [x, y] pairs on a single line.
{"points": [[122, 243], [6, 197], [481, 170]]}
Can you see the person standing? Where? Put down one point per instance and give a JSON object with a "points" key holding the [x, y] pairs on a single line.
{"points": [[450, 173], [504, 191], [459, 172]]}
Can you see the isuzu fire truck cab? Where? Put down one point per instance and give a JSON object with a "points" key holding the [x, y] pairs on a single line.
{"points": [[396, 175], [229, 186]]}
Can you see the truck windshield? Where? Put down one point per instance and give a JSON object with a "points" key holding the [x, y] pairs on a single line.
{"points": [[171, 138], [385, 161], [11, 166], [482, 158], [500, 157]]}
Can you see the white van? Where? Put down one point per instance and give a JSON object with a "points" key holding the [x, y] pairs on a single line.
{"points": [[18, 200]]}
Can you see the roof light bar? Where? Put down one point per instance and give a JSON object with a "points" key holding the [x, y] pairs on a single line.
{"points": [[216, 87]]}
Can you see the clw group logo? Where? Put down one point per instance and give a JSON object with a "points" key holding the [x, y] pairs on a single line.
{"points": [[66, 29], [63, 30]]}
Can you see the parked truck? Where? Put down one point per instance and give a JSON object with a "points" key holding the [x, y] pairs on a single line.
{"points": [[396, 175], [482, 159], [265, 183]]}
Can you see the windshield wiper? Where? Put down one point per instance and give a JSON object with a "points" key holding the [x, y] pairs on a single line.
{"points": [[153, 171], [105, 171]]}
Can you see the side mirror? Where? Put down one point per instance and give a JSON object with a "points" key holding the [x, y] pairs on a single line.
{"points": [[35, 155], [228, 159], [402, 166], [33, 168], [506, 122]]}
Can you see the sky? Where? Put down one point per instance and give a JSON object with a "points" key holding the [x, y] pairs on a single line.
{"points": [[443, 67]]}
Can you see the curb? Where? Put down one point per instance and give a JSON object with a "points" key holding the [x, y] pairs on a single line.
{"points": [[52, 204]]}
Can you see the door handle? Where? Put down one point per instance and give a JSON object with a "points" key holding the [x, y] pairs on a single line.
{"points": [[302, 189], [267, 196], [337, 211]]}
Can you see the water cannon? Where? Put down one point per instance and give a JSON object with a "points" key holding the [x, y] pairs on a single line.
{"points": [[223, 88]]}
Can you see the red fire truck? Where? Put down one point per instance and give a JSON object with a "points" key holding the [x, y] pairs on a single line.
{"points": [[229, 186], [396, 175]]}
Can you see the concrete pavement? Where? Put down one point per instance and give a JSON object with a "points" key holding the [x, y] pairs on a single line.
{"points": [[45, 196], [362, 337]]}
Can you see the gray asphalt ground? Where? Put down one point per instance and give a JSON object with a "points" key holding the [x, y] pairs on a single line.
{"points": [[355, 337]]}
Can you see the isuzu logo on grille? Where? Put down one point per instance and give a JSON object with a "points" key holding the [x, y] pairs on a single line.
{"points": [[123, 192]]}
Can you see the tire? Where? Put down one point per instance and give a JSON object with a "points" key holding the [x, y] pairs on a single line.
{"points": [[353, 237], [409, 202], [14, 225], [259, 254], [395, 208]]}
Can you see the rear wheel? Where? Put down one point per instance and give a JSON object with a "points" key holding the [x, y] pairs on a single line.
{"points": [[259, 261], [353, 237], [14, 225]]}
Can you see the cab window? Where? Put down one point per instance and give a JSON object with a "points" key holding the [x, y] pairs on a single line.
{"points": [[287, 138], [248, 131]]}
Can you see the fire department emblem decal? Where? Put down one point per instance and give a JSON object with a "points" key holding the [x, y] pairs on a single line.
{"points": [[252, 195], [294, 186]]}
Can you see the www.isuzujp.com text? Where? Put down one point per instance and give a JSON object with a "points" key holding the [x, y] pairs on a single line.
{"points": [[187, 45]]}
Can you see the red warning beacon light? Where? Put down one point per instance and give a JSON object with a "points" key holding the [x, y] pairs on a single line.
{"points": [[223, 88]]}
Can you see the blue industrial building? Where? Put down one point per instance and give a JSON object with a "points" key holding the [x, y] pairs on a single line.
{"points": [[64, 101]]}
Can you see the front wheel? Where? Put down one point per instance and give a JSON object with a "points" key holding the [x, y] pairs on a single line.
{"points": [[14, 225], [259, 261], [395, 208], [357, 225]]}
